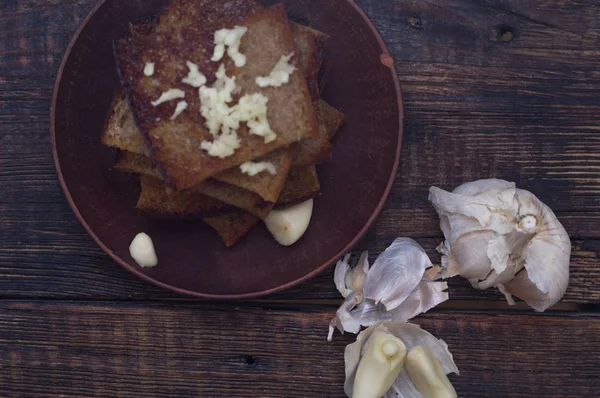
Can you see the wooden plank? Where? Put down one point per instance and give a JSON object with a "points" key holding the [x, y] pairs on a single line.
{"points": [[477, 105], [60, 260], [136, 349]]}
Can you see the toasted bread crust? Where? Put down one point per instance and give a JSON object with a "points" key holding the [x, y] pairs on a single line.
{"points": [[188, 204], [267, 186], [311, 53], [238, 197], [302, 184], [232, 227]]}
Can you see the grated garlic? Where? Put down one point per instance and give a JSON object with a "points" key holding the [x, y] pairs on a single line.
{"points": [[230, 39], [194, 77], [169, 95], [149, 69], [181, 106], [254, 168], [280, 74]]}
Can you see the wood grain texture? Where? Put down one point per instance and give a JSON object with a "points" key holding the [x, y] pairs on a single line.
{"points": [[167, 350], [492, 89]]}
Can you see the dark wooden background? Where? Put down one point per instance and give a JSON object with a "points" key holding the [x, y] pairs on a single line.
{"points": [[492, 88]]}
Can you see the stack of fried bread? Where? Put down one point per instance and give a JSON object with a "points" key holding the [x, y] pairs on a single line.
{"points": [[230, 177]]}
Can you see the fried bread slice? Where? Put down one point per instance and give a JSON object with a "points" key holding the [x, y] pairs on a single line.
{"points": [[185, 204], [303, 184], [121, 131], [232, 227], [240, 198], [177, 38]]}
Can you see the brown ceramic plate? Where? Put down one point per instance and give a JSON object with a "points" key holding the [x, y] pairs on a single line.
{"points": [[362, 83]]}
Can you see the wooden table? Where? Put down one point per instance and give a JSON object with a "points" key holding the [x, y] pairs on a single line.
{"points": [[496, 88]]}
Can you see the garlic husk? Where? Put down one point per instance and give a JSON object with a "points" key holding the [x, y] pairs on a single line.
{"points": [[399, 286], [344, 321], [411, 336], [396, 272], [500, 236], [349, 279]]}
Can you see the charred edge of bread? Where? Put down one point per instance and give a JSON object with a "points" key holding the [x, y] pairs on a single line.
{"points": [[317, 150], [117, 44], [334, 120], [231, 195], [109, 117], [302, 184], [232, 227], [266, 186], [235, 196], [155, 201], [311, 46], [143, 25], [298, 19], [323, 74]]}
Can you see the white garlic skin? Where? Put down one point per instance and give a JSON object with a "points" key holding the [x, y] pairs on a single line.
{"points": [[501, 236], [397, 287]]}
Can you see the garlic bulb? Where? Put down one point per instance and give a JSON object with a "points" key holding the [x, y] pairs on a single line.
{"points": [[398, 287], [500, 236], [390, 379]]}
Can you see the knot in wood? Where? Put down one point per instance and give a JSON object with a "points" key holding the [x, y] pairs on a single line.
{"points": [[415, 22], [504, 33]]}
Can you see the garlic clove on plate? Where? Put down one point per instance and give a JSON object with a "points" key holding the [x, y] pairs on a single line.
{"points": [[497, 235], [287, 225], [426, 373]]}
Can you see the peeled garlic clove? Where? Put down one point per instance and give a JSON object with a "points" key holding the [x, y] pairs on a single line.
{"points": [[289, 224], [411, 336], [396, 273], [427, 374], [380, 365]]}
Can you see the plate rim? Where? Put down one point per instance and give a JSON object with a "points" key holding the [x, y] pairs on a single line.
{"points": [[386, 60]]}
